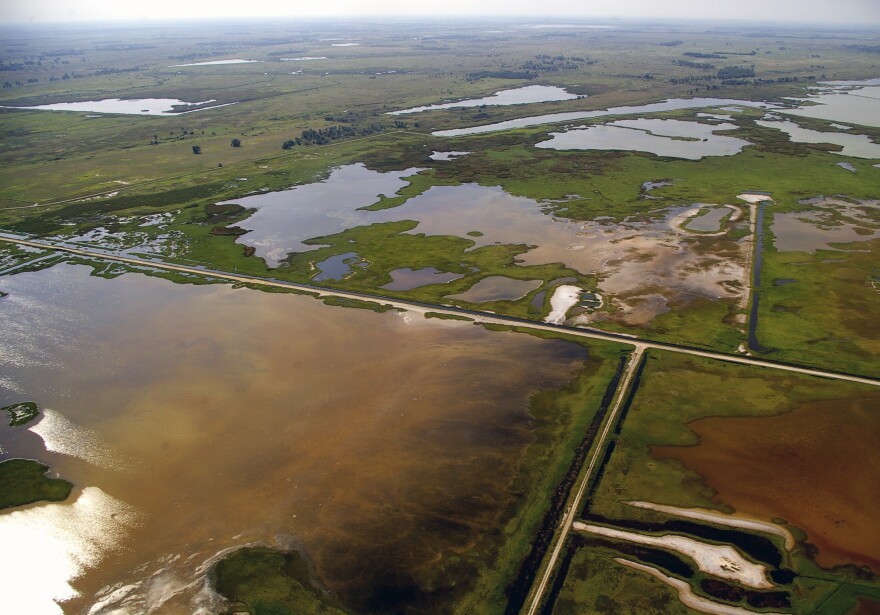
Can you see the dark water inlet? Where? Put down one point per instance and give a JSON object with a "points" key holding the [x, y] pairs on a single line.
{"points": [[756, 280], [519, 589], [759, 548], [572, 546], [631, 395]]}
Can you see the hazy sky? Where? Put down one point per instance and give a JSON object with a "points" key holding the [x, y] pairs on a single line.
{"points": [[45, 11]]}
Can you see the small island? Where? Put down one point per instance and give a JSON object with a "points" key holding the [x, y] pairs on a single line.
{"points": [[24, 481], [264, 580], [21, 413]]}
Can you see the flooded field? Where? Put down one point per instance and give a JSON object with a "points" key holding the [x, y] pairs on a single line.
{"points": [[194, 419], [814, 467], [829, 221], [643, 263]]}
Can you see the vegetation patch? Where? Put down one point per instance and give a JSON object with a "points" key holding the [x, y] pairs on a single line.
{"points": [[24, 481], [263, 581], [21, 413]]}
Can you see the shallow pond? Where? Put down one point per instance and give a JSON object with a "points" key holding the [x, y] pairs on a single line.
{"points": [[217, 63], [445, 156], [709, 222], [336, 267], [673, 138], [518, 96], [407, 279], [137, 106], [284, 219], [498, 288], [193, 419]]}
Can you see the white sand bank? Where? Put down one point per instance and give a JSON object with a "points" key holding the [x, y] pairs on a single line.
{"points": [[564, 298], [722, 519], [686, 594], [722, 561]]}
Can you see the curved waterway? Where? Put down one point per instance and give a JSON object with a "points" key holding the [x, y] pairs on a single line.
{"points": [[382, 446], [673, 104]]}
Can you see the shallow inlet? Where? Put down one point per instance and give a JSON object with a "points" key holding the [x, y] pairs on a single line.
{"points": [[232, 416], [854, 145], [853, 102]]}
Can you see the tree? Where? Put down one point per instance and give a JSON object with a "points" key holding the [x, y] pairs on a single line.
{"points": [[197, 149], [236, 143]]}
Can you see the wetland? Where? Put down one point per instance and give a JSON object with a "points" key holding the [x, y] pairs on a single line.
{"points": [[174, 444]]}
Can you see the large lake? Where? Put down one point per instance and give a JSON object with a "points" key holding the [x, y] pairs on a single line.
{"points": [[194, 419]]}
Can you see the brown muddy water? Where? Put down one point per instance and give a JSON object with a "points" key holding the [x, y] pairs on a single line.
{"points": [[815, 467], [194, 419]]}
